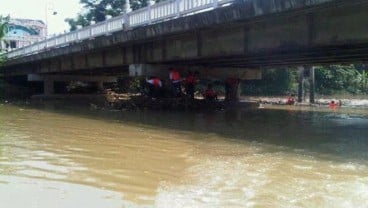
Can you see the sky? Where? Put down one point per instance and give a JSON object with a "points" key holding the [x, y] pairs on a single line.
{"points": [[43, 10]]}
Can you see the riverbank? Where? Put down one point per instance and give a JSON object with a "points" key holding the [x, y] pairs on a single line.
{"points": [[130, 101], [353, 101]]}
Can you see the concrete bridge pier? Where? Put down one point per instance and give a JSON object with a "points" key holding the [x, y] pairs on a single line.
{"points": [[100, 85], [48, 87], [232, 89], [305, 72], [311, 84]]}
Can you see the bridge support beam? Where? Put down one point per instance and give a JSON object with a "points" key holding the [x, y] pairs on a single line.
{"points": [[232, 89], [48, 87], [100, 85]]}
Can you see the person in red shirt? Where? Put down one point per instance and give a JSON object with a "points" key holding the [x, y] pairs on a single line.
{"points": [[333, 105], [210, 94], [154, 86], [190, 82], [290, 100], [175, 80]]}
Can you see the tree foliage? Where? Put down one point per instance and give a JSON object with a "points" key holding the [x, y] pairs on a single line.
{"points": [[3, 25], [341, 78], [352, 79], [273, 82], [95, 10], [98, 10]]}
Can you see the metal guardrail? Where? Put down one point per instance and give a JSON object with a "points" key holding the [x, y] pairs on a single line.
{"points": [[148, 15]]}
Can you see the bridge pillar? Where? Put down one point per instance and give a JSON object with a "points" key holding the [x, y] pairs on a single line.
{"points": [[300, 83], [100, 85], [306, 72], [48, 87], [232, 91], [311, 84]]}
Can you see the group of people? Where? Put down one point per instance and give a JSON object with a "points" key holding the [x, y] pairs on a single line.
{"points": [[155, 85], [332, 105]]}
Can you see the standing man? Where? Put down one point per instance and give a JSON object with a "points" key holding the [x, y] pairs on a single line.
{"points": [[190, 82], [154, 86], [175, 80]]}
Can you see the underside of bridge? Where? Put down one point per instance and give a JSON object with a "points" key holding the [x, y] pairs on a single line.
{"points": [[245, 35], [239, 35]]}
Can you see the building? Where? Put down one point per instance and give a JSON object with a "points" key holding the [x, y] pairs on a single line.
{"points": [[23, 32]]}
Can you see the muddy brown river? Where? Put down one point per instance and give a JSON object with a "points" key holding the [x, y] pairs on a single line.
{"points": [[278, 156]]}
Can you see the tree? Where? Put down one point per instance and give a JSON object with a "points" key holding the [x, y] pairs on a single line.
{"points": [[3, 25], [274, 82], [98, 10]]}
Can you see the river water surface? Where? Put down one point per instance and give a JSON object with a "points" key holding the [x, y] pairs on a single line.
{"points": [[63, 156]]}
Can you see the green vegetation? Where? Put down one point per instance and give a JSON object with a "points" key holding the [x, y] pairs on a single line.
{"points": [[273, 82], [3, 23], [98, 10], [351, 79], [333, 79]]}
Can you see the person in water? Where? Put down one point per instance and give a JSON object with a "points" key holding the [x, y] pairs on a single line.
{"points": [[334, 105], [290, 100]]}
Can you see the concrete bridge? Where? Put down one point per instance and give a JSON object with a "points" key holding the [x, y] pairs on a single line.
{"points": [[219, 36]]}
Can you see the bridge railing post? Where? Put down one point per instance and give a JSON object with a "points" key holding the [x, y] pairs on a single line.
{"points": [[149, 13], [125, 21], [78, 35], [177, 7], [149, 10], [215, 3], [89, 32], [127, 10], [106, 28]]}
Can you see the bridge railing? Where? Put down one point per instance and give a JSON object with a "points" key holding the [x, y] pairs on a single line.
{"points": [[148, 15]]}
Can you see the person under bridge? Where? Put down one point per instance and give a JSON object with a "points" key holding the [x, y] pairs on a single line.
{"points": [[154, 86], [175, 80], [210, 94]]}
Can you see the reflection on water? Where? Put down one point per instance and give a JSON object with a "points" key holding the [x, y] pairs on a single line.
{"points": [[272, 157]]}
